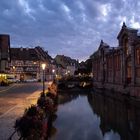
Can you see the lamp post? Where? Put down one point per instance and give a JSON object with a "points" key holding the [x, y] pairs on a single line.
{"points": [[43, 68], [14, 68], [53, 71]]}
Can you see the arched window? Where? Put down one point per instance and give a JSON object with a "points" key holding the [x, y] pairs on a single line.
{"points": [[138, 56], [126, 47]]}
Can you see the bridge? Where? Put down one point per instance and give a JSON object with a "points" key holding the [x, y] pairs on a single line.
{"points": [[74, 83]]}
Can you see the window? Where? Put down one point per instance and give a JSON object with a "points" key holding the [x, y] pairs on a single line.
{"points": [[138, 72], [126, 47], [117, 62], [138, 56], [126, 51], [109, 62]]}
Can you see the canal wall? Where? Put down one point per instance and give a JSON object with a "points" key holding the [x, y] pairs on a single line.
{"points": [[130, 90]]}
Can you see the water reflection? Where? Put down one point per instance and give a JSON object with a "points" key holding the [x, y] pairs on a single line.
{"points": [[62, 99], [75, 119], [95, 117], [117, 115], [65, 98], [51, 129]]}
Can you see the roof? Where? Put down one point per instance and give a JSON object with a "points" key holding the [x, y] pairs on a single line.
{"points": [[103, 45], [4, 35], [125, 28], [44, 54], [67, 61], [24, 54]]}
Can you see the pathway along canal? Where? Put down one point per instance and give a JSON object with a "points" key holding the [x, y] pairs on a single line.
{"points": [[95, 117]]}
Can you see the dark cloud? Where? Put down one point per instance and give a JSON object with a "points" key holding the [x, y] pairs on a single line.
{"points": [[70, 27]]}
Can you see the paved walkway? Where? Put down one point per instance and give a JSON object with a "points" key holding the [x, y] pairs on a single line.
{"points": [[7, 120]]}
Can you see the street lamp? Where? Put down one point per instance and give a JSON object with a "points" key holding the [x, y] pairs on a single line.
{"points": [[43, 68], [14, 68], [53, 71]]}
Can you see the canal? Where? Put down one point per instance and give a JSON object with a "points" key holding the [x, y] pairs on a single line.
{"points": [[77, 120], [95, 117]]}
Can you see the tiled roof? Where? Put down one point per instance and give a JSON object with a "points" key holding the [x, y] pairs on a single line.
{"points": [[44, 54], [67, 60], [24, 54]]}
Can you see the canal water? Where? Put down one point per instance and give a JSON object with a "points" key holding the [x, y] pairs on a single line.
{"points": [[95, 117]]}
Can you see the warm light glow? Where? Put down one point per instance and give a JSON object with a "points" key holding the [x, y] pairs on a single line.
{"points": [[43, 66], [14, 67], [3, 75], [53, 70], [35, 63]]}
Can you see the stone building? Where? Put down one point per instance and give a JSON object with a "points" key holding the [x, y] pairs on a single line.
{"points": [[4, 53], [70, 65], [118, 68]]}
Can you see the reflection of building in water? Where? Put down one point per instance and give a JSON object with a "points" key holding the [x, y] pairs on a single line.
{"points": [[64, 98], [121, 116]]}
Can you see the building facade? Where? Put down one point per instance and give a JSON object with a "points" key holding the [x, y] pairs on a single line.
{"points": [[70, 65], [45, 57], [25, 63], [118, 68], [4, 53], [4, 57]]}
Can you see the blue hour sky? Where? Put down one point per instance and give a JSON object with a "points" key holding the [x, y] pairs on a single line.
{"points": [[70, 27]]}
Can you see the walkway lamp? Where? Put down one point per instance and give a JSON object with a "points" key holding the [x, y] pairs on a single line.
{"points": [[43, 68], [14, 68], [53, 71]]}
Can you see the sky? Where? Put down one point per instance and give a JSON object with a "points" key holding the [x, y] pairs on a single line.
{"points": [[67, 27]]}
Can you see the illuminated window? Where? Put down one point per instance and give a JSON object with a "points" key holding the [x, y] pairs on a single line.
{"points": [[126, 51]]}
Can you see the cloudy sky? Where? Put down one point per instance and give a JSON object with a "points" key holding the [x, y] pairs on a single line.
{"points": [[70, 27]]}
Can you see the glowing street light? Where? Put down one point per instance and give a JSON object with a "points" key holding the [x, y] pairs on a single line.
{"points": [[53, 71], [43, 68], [14, 68]]}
